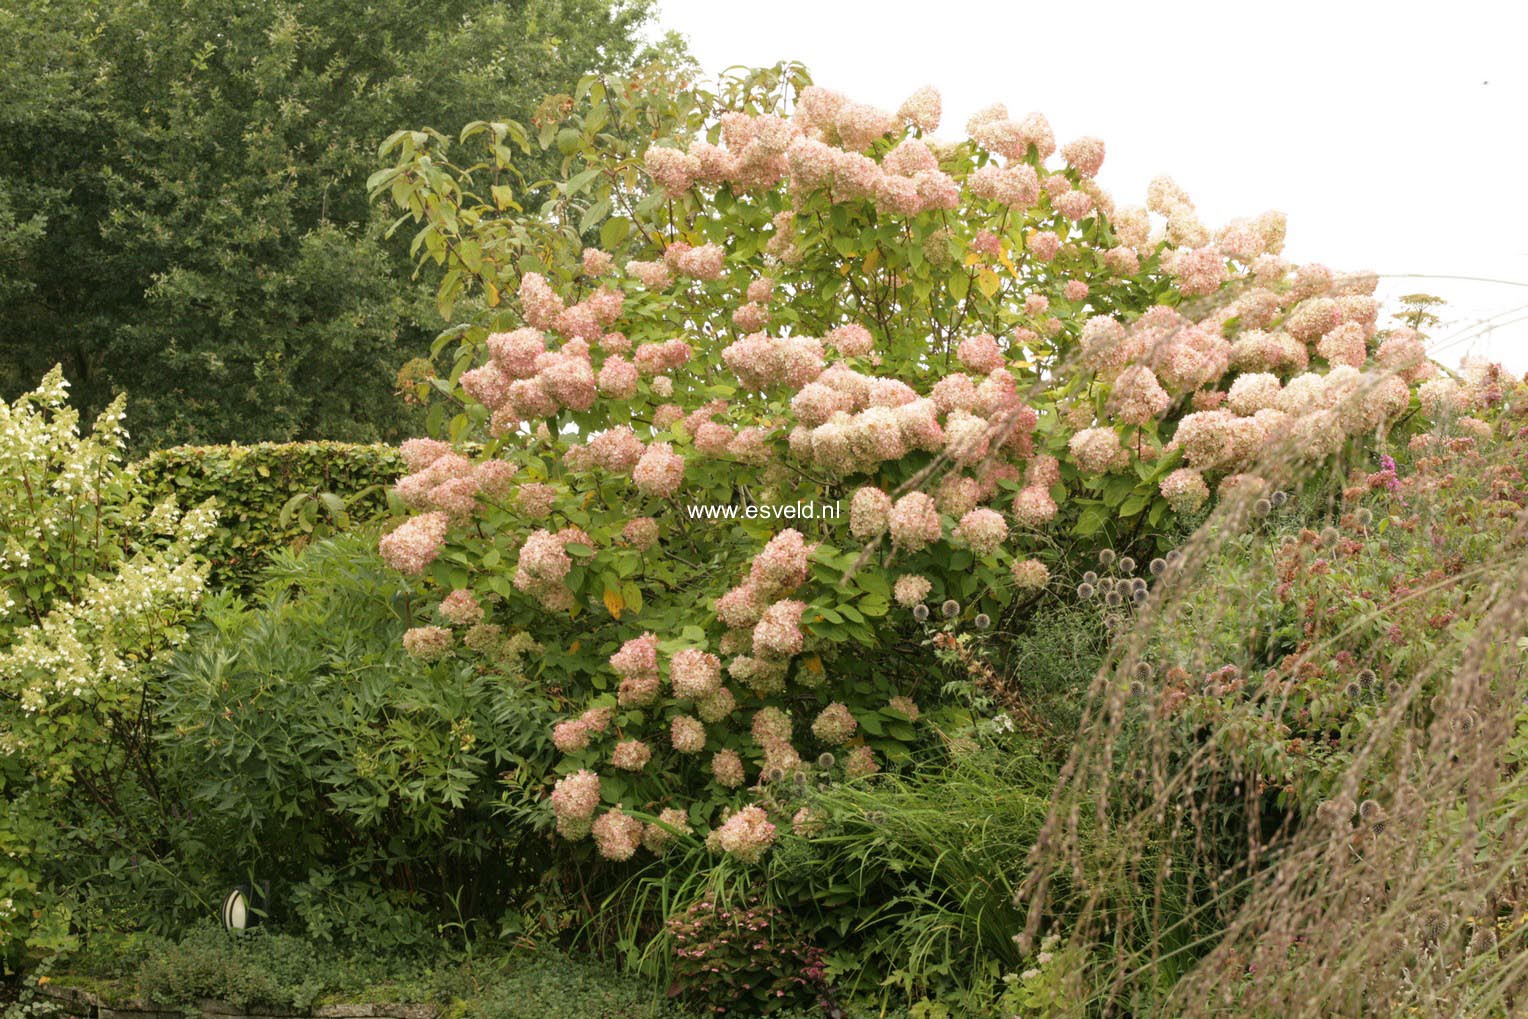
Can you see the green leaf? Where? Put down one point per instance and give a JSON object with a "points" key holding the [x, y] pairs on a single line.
{"points": [[614, 232]]}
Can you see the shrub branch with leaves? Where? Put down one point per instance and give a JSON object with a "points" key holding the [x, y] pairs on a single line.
{"points": [[787, 298]]}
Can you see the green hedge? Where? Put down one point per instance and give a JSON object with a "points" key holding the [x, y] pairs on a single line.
{"points": [[272, 495]]}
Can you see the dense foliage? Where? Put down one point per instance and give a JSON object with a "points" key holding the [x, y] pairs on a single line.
{"points": [[363, 783], [181, 205], [852, 572], [944, 365], [271, 496], [97, 586]]}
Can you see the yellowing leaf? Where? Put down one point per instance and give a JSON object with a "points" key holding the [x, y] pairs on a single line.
{"points": [[988, 283], [872, 260], [972, 257], [812, 663], [614, 602], [573, 647], [492, 293]]}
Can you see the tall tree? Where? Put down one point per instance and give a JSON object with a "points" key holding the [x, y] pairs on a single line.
{"points": [[183, 212]]}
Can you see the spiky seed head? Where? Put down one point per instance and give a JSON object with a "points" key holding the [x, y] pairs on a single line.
{"points": [[950, 609], [1157, 566], [1433, 925], [1355, 691], [1144, 671], [1138, 584], [1363, 517], [1090, 577], [825, 761], [1139, 595], [775, 775], [920, 612], [1085, 591], [1106, 557], [1137, 688], [1369, 809], [1113, 600], [1126, 565], [1173, 556], [1366, 678], [1263, 507], [1280, 498], [1330, 536], [1483, 942], [982, 621], [799, 779]]}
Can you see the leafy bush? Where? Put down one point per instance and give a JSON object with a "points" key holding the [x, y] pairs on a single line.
{"points": [[362, 781], [963, 318], [272, 495], [97, 585], [741, 960]]}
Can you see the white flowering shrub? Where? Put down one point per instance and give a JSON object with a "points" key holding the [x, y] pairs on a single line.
{"points": [[780, 297], [94, 587]]}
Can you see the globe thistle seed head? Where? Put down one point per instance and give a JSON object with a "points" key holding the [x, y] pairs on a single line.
{"points": [[1113, 599], [1144, 671], [950, 609], [1126, 565], [775, 775], [1173, 557], [1363, 517], [1138, 584], [920, 612], [1366, 678], [1354, 691], [1483, 942], [1434, 924], [1279, 498], [1369, 809], [1330, 537], [1090, 577], [1262, 507], [1106, 557], [1085, 591], [825, 761], [1137, 689], [1157, 566], [983, 621], [1139, 595]]}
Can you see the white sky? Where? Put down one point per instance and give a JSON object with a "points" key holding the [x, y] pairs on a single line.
{"points": [[1394, 135]]}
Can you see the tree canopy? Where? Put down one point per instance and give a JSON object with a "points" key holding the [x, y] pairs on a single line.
{"points": [[183, 213]]}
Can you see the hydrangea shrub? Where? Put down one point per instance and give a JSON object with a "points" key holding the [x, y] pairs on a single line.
{"points": [[96, 584], [955, 350]]}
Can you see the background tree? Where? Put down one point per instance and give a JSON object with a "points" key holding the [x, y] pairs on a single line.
{"points": [[182, 203]]}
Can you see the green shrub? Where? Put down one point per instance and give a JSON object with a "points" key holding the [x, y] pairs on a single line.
{"points": [[272, 495], [360, 781], [97, 585]]}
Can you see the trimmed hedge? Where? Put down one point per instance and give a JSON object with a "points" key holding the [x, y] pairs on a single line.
{"points": [[272, 495]]}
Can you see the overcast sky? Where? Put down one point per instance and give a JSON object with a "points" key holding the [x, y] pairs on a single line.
{"points": [[1395, 135]]}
